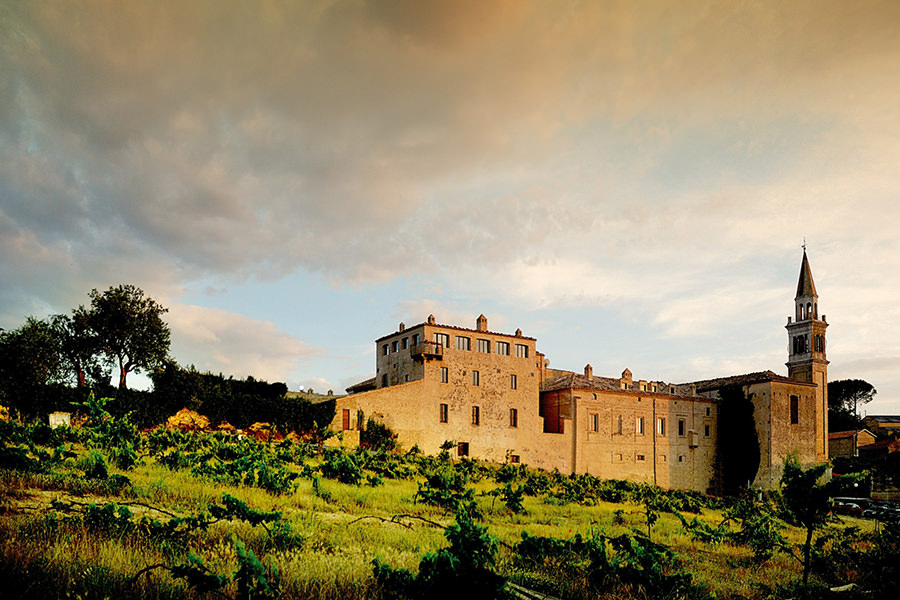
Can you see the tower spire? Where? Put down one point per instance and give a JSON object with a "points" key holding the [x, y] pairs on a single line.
{"points": [[805, 286]]}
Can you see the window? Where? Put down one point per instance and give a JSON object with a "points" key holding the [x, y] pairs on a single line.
{"points": [[513, 383], [384, 380], [406, 378], [595, 422], [405, 343], [394, 346], [514, 458], [661, 426], [462, 449], [513, 417], [463, 343], [483, 346], [639, 457], [415, 339], [617, 457], [503, 348], [662, 458], [476, 378], [385, 350], [795, 410], [444, 413], [680, 458], [521, 350], [445, 374], [619, 424], [706, 430], [681, 427], [639, 425], [345, 419], [707, 411], [476, 415], [442, 339]]}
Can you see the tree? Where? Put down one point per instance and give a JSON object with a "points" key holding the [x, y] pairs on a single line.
{"points": [[844, 398], [809, 501], [79, 346], [129, 329], [29, 360]]}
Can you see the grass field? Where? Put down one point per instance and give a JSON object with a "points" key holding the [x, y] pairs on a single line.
{"points": [[323, 543]]}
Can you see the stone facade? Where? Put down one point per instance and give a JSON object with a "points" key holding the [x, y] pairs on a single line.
{"points": [[848, 443], [494, 397]]}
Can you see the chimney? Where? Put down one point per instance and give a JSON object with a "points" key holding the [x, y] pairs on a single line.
{"points": [[481, 323], [588, 371], [431, 319], [402, 326]]}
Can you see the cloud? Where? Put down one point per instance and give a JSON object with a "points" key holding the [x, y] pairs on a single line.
{"points": [[218, 341], [618, 155]]}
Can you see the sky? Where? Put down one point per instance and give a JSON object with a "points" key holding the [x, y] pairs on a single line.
{"points": [[628, 182]]}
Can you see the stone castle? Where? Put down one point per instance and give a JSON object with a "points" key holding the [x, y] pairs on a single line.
{"points": [[494, 395]]}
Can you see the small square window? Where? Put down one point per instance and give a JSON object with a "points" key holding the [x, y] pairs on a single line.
{"points": [[514, 459], [483, 346], [503, 348], [521, 350], [462, 449], [639, 457], [463, 343]]}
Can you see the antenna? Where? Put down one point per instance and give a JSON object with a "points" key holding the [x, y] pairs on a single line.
{"points": [[804, 243]]}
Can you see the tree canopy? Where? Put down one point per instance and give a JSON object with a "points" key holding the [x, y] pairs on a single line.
{"points": [[844, 398], [129, 329]]}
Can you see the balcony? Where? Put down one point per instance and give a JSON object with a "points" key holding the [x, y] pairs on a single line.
{"points": [[427, 350]]}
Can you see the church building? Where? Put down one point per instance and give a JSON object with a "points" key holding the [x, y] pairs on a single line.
{"points": [[494, 396]]}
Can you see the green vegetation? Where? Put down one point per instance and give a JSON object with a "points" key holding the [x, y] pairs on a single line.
{"points": [[103, 510]]}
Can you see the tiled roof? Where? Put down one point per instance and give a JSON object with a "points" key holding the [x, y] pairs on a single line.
{"points": [[884, 418], [577, 381], [759, 377], [368, 384], [839, 435], [455, 327]]}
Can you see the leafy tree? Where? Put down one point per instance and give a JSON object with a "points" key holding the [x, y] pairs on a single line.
{"points": [[129, 328], [78, 346], [844, 398], [29, 361], [809, 501], [738, 448]]}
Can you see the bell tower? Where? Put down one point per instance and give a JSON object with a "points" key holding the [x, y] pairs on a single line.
{"points": [[806, 350]]}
